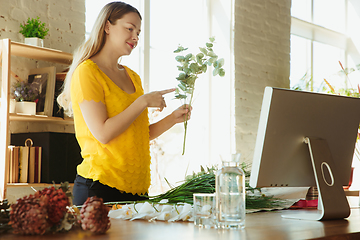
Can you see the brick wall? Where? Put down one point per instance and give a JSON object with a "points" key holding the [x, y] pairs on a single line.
{"points": [[64, 18], [66, 22], [262, 58]]}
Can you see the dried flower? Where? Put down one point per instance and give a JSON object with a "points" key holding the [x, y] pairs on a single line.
{"points": [[23, 91]]}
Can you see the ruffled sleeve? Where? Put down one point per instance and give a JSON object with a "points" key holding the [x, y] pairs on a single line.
{"points": [[87, 85]]}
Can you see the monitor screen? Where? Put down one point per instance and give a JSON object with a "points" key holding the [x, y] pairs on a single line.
{"points": [[281, 156]]}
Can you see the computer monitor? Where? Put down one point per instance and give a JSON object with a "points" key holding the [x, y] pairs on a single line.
{"points": [[307, 139]]}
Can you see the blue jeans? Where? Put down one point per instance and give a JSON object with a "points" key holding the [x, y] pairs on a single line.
{"points": [[84, 188]]}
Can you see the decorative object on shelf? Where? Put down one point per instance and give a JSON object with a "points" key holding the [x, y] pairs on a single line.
{"points": [[191, 66], [34, 32], [25, 96], [60, 154], [12, 106], [43, 79], [28, 108], [34, 41], [25, 163], [57, 110]]}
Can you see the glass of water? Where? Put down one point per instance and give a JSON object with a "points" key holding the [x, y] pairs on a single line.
{"points": [[204, 210]]}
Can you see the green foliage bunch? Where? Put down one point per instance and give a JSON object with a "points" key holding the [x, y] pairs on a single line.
{"points": [[204, 182], [191, 65], [34, 28]]}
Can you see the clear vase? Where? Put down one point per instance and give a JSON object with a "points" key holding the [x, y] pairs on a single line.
{"points": [[230, 194]]}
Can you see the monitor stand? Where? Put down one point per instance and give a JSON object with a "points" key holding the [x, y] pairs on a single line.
{"points": [[332, 199]]}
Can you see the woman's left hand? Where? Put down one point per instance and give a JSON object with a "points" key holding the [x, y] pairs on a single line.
{"points": [[182, 113]]}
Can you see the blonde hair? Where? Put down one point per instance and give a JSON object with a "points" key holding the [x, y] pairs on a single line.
{"points": [[110, 12]]}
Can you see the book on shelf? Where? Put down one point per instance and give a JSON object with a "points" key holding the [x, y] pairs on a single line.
{"points": [[24, 165], [35, 165]]}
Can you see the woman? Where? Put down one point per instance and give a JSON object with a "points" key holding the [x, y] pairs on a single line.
{"points": [[110, 111]]}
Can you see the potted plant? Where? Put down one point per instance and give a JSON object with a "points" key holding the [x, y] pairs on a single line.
{"points": [[34, 32], [26, 97]]}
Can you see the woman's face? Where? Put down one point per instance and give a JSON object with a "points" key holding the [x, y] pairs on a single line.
{"points": [[123, 36]]}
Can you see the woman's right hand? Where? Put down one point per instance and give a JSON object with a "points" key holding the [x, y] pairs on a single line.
{"points": [[156, 99]]}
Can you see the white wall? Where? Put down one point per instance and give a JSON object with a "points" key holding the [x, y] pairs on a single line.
{"points": [[262, 58]]}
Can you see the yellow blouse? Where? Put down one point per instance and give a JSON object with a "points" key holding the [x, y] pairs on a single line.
{"points": [[124, 162]]}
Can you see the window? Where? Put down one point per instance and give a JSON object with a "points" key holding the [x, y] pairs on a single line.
{"points": [[325, 39], [165, 25], [322, 39]]}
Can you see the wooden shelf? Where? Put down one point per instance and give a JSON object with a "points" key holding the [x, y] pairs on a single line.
{"points": [[34, 184], [8, 49], [40, 118], [40, 53]]}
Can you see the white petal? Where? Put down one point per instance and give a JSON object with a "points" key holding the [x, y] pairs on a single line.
{"points": [[146, 208]]}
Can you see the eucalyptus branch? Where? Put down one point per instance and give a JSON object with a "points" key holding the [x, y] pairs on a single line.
{"points": [[191, 66]]}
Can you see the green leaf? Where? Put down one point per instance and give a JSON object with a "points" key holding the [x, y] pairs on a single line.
{"points": [[191, 80], [180, 96], [212, 39], [220, 62], [216, 64], [221, 72], [200, 55], [199, 58], [203, 50], [212, 54], [188, 56], [209, 45], [180, 58], [180, 49], [215, 72], [181, 76], [182, 87], [212, 60], [203, 68], [194, 67], [34, 28]]}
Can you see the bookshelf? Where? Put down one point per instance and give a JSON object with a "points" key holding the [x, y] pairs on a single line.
{"points": [[8, 49]]}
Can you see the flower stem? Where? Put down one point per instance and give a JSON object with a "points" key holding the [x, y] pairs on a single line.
{"points": [[186, 118]]}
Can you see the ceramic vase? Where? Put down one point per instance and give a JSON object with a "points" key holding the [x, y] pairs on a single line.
{"points": [[26, 108], [35, 41]]}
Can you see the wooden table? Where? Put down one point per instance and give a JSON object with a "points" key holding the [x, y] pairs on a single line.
{"points": [[258, 226]]}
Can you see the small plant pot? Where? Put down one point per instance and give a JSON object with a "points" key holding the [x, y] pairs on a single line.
{"points": [[26, 108], [35, 41]]}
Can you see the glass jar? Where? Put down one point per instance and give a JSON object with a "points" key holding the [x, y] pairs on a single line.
{"points": [[230, 194]]}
